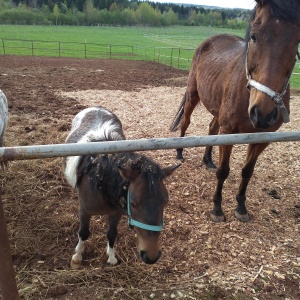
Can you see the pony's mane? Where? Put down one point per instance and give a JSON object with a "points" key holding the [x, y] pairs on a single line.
{"points": [[103, 170], [286, 10], [150, 170]]}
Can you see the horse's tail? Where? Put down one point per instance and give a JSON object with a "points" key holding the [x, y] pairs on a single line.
{"points": [[176, 121]]}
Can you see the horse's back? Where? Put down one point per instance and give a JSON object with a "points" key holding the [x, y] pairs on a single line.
{"points": [[93, 124], [3, 116], [217, 71]]}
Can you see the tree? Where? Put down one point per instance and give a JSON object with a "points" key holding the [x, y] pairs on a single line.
{"points": [[147, 15], [56, 12]]}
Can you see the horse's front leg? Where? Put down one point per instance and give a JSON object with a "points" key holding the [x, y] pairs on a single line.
{"points": [[253, 152], [83, 234], [112, 232], [222, 173]]}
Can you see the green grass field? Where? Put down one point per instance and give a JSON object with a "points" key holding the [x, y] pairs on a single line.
{"points": [[147, 43]]}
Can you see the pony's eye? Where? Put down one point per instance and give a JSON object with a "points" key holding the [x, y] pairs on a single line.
{"points": [[133, 204], [253, 37]]}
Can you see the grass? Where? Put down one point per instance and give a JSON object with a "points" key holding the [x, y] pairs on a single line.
{"points": [[148, 43]]}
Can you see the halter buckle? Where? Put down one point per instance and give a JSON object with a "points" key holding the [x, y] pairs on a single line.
{"points": [[277, 98]]}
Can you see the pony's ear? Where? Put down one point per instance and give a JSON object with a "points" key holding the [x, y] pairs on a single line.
{"points": [[128, 173], [169, 170]]}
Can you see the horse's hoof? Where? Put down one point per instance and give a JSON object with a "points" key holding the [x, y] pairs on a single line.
{"points": [[242, 218], [211, 169], [216, 219], [76, 261]]}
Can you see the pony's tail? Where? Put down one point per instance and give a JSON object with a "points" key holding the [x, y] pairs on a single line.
{"points": [[176, 121]]}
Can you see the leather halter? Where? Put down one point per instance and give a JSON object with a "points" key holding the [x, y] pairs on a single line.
{"points": [[276, 97]]}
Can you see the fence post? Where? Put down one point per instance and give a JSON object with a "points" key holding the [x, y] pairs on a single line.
{"points": [[32, 48], [109, 51], [59, 49], [3, 46], [85, 49], [8, 283], [178, 58]]}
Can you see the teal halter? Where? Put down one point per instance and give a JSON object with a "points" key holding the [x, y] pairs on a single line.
{"points": [[135, 223]]}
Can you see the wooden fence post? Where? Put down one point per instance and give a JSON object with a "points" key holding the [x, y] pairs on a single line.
{"points": [[8, 283], [3, 46]]}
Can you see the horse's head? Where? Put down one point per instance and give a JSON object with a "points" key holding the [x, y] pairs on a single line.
{"points": [[272, 45], [147, 198]]}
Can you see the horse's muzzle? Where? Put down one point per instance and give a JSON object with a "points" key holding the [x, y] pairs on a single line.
{"points": [[263, 121], [148, 260]]}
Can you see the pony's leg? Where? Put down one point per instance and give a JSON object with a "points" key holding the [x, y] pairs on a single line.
{"points": [[222, 173], [83, 234], [192, 99], [112, 232], [253, 152], [207, 159]]}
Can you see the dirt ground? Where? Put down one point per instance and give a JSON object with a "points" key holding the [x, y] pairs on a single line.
{"points": [[200, 260]]}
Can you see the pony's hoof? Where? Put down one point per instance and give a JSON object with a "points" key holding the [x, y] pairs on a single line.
{"points": [[216, 219], [112, 261], [76, 261], [242, 218]]}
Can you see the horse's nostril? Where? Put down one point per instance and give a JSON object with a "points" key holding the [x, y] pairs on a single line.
{"points": [[148, 260], [273, 116], [254, 114]]}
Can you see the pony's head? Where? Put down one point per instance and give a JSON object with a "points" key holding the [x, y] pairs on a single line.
{"points": [[272, 46], [147, 198]]}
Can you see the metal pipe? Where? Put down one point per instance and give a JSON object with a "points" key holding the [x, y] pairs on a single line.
{"points": [[56, 150], [8, 285]]}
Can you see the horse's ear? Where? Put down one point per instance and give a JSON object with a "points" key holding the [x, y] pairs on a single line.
{"points": [[128, 173], [260, 2], [169, 170]]}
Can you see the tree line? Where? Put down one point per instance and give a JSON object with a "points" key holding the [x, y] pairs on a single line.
{"points": [[117, 12]]}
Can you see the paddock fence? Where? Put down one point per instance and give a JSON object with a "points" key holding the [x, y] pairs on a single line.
{"points": [[176, 57], [8, 284]]}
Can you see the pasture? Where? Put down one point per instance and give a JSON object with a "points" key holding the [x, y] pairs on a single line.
{"points": [[200, 260], [147, 43]]}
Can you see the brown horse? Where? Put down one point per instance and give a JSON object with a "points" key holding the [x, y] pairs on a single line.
{"points": [[225, 69], [115, 183]]}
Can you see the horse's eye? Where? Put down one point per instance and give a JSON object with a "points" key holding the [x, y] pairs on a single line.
{"points": [[253, 37], [133, 204]]}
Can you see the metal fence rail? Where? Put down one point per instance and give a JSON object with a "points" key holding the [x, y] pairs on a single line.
{"points": [[74, 149]]}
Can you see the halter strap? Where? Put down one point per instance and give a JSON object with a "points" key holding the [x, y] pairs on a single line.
{"points": [[132, 222], [276, 97]]}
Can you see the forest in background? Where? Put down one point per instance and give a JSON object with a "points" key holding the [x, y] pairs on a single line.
{"points": [[118, 12]]}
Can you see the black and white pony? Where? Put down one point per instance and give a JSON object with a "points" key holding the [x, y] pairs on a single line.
{"points": [[111, 184]]}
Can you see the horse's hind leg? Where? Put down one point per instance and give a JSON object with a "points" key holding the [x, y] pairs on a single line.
{"points": [[222, 173], [83, 234], [253, 152], [112, 232], [207, 158], [192, 99]]}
